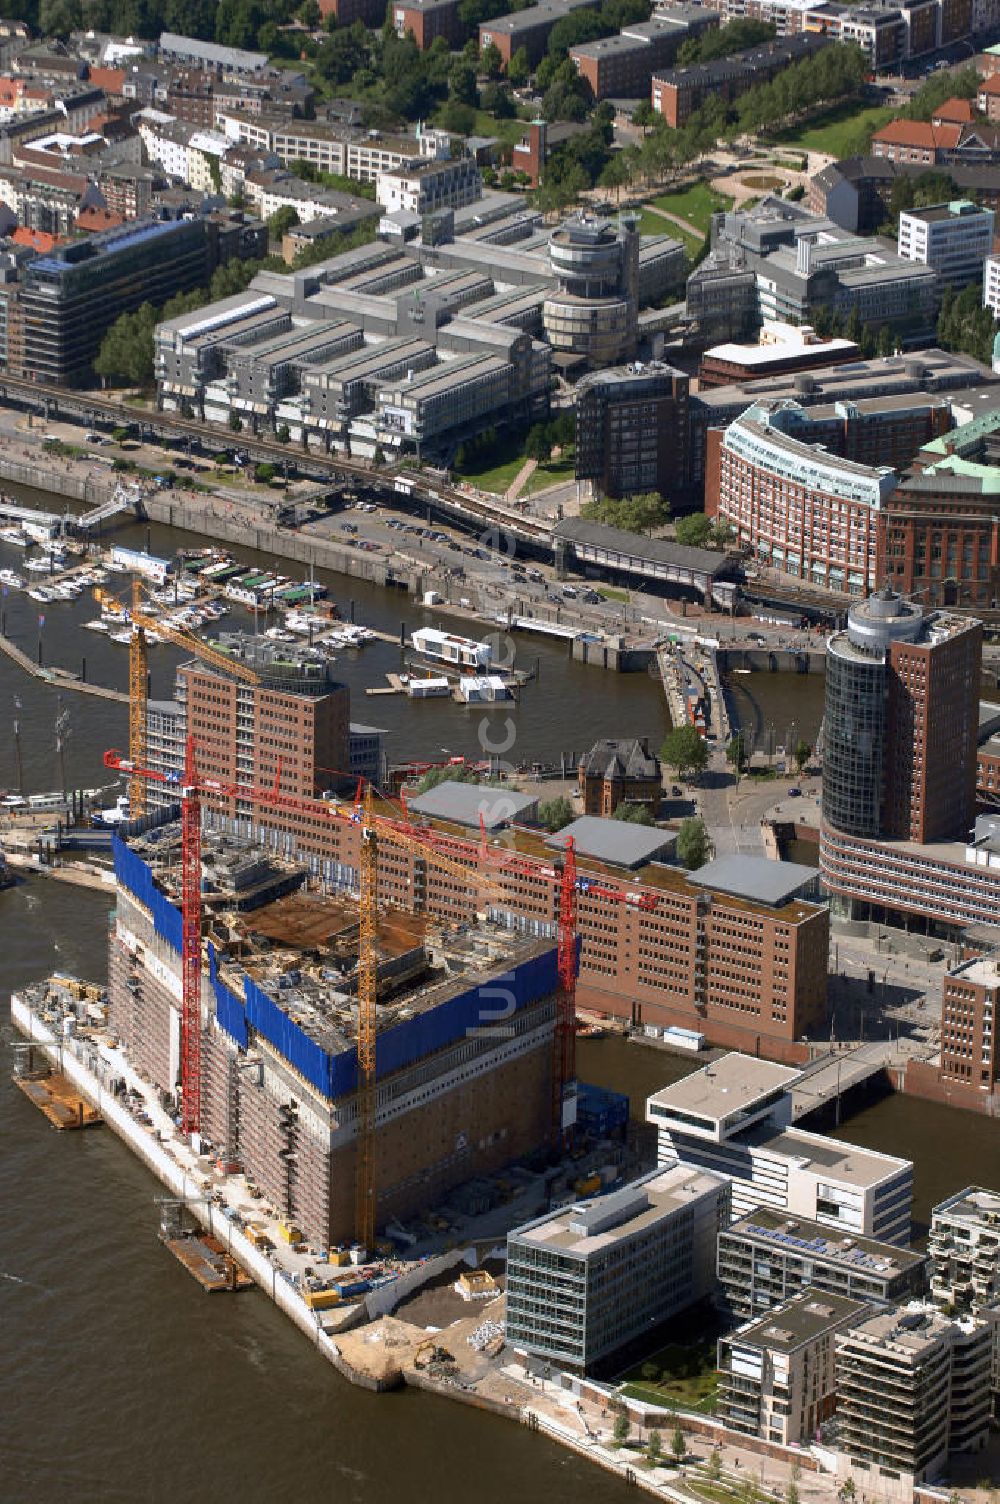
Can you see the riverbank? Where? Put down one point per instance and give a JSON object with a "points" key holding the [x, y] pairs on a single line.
{"points": [[376, 1350]]}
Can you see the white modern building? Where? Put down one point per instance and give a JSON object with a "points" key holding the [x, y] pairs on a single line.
{"points": [[991, 284], [953, 239], [733, 1118]]}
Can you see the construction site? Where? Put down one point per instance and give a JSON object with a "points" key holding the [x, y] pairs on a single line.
{"points": [[464, 1032]]}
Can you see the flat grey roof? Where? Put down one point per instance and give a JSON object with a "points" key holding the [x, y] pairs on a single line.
{"points": [[755, 877], [466, 802], [798, 1321], [848, 1162], [728, 1085], [813, 1240], [587, 1229], [616, 841], [658, 550]]}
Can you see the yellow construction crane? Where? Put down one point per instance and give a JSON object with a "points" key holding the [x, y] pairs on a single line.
{"points": [[375, 827], [138, 676]]}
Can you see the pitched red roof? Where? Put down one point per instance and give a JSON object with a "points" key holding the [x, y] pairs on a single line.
{"points": [[110, 80], [990, 85], [98, 219], [956, 110], [38, 240], [918, 133]]}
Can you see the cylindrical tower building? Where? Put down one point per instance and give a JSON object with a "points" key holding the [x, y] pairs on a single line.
{"points": [[854, 724]]}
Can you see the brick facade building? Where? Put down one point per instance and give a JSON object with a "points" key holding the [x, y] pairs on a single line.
{"points": [[619, 772]]}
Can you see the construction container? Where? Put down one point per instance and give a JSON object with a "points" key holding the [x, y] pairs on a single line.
{"points": [[347, 1289], [258, 1236], [587, 1185], [340, 1257], [321, 1300], [289, 1233]]}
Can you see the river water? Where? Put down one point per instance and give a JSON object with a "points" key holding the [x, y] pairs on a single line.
{"points": [[120, 1379]]}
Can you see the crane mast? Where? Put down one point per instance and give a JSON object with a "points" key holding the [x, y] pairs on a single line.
{"points": [[365, 1182]]}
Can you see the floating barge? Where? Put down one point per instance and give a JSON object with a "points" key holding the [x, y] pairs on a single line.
{"points": [[57, 1098], [204, 1257]]}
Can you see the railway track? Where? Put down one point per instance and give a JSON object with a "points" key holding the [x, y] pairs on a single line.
{"points": [[91, 407]]}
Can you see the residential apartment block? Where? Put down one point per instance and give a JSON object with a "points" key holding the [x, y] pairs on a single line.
{"points": [[586, 1281], [912, 1386], [677, 93], [528, 29], [426, 20], [732, 1118], [421, 186], [622, 66], [777, 1374], [964, 1249], [767, 1257]]}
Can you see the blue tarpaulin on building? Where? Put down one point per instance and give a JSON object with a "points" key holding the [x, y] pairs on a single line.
{"points": [[484, 1007], [229, 1009], [133, 873]]}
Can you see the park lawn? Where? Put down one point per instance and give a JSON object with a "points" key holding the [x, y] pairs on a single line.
{"points": [[651, 223], [611, 593], [688, 1377], [493, 477], [696, 203], [550, 473], [835, 131]]}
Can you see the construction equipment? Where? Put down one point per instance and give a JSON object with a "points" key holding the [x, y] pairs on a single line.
{"points": [[191, 788], [463, 859], [138, 674]]}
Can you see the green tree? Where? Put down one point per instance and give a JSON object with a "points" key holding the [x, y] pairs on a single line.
{"points": [[616, 173], [575, 28], [538, 445], [651, 1373], [519, 68], [654, 1446], [462, 83], [802, 754], [282, 433], [633, 814], [792, 1492], [714, 1465], [736, 753], [684, 750], [555, 813], [235, 423], [694, 531], [490, 61], [125, 355], [282, 220], [678, 1446], [694, 848], [622, 1426], [847, 1490], [264, 473], [635, 514]]}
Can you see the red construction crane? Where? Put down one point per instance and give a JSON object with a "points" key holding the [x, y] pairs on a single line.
{"points": [[463, 858]]}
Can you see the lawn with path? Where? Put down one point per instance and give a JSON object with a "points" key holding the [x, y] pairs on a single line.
{"points": [[835, 132]]}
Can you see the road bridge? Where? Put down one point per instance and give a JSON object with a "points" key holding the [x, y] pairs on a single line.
{"points": [[827, 1079]]}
